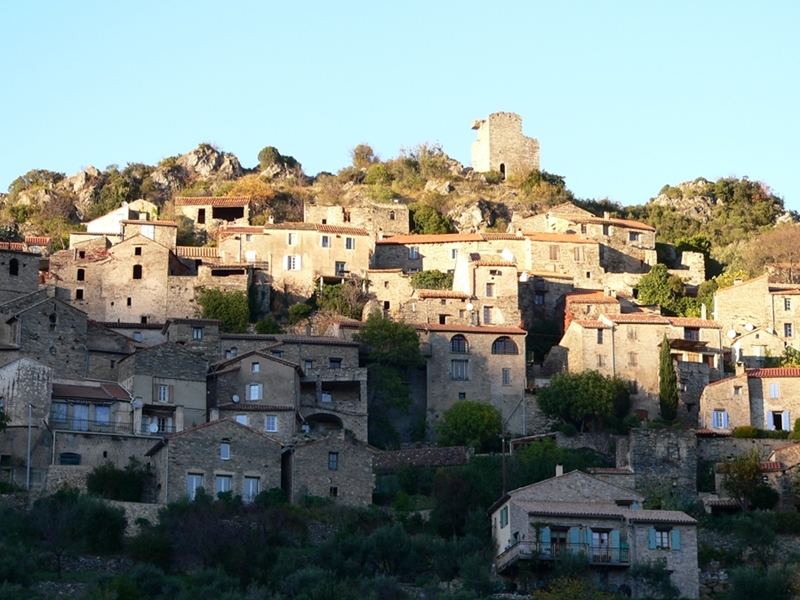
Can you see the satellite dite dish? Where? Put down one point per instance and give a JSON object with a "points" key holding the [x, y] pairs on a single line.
{"points": [[749, 327], [154, 427], [731, 333], [469, 306], [235, 398]]}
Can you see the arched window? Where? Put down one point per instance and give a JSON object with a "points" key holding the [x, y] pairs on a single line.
{"points": [[13, 267], [81, 274], [459, 344], [504, 345]]}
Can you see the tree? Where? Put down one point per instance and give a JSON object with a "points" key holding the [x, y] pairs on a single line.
{"points": [[582, 398], [55, 519], [347, 298], [469, 423], [5, 420], [231, 308], [363, 156], [432, 280], [667, 383], [658, 287], [427, 220], [741, 475]]}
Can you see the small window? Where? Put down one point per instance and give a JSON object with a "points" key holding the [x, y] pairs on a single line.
{"points": [[193, 482], [503, 516], [538, 299], [137, 271], [787, 304], [349, 243], [327, 397], [82, 254], [248, 237], [137, 336], [341, 268], [554, 252], [271, 423], [633, 359], [487, 315], [333, 492], [459, 344], [129, 301], [454, 253], [634, 236], [13, 267], [78, 294], [81, 275], [631, 333], [254, 391], [197, 333], [225, 451], [462, 395], [333, 461], [223, 484], [250, 489], [201, 216], [489, 290], [606, 230], [241, 419], [413, 253], [577, 254], [737, 391], [391, 215], [335, 363], [291, 239], [255, 367], [691, 333], [292, 263], [599, 336], [787, 330], [137, 251], [633, 386], [662, 539], [277, 353], [308, 364], [601, 360], [506, 376], [458, 370], [774, 390], [113, 364], [719, 419], [325, 241], [163, 393]]}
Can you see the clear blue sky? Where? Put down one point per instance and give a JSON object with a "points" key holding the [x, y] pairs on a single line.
{"points": [[624, 97]]}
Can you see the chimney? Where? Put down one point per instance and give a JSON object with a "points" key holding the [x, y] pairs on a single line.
{"points": [[737, 281], [559, 470], [703, 311], [740, 368], [606, 215]]}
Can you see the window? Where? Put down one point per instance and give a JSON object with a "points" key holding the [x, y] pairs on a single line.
{"points": [[149, 231], [459, 344], [504, 345], [664, 539], [292, 262], [197, 333], [340, 268], [601, 360], [137, 251], [137, 336], [327, 397], [277, 353], [787, 304], [333, 461], [487, 315], [163, 393], [737, 391], [787, 330], [454, 253], [778, 420], [349, 243], [271, 423], [325, 241], [691, 333], [164, 424], [633, 359], [391, 215], [633, 236], [774, 390], [599, 336], [606, 230], [554, 253], [333, 492], [254, 392], [223, 484], [308, 364], [503, 516], [413, 253], [137, 271], [129, 301], [248, 237], [489, 290], [78, 294], [577, 253], [201, 216], [719, 419], [81, 254], [2, 404], [225, 451], [59, 412], [462, 395], [193, 481], [81, 274], [633, 386], [113, 364], [255, 367], [250, 489], [334, 363], [458, 369], [291, 239], [13, 267], [506, 376], [241, 419], [538, 299], [631, 333]]}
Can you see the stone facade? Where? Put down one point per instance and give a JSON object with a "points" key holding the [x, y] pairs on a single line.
{"points": [[218, 456], [377, 219], [19, 274], [754, 347], [209, 214], [500, 146], [335, 466], [661, 460], [577, 512]]}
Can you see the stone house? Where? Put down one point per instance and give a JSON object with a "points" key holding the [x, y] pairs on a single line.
{"points": [[19, 274], [219, 456], [414, 253], [335, 465], [577, 513], [385, 464], [376, 218], [500, 146], [539, 295], [764, 398], [168, 384], [754, 347], [208, 214], [199, 336]]}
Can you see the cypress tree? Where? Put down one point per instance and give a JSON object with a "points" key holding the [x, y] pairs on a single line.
{"points": [[667, 384]]}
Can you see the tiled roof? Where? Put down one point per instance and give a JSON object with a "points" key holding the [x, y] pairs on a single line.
{"points": [[197, 251], [254, 407], [713, 432], [722, 502], [618, 222], [443, 238], [442, 294], [592, 324], [610, 471], [639, 318], [108, 392], [126, 325], [603, 509], [774, 372], [421, 457], [341, 230], [145, 222], [291, 226], [771, 466], [501, 236], [726, 380], [688, 322], [314, 339], [594, 298], [218, 201], [494, 262], [398, 270], [470, 329], [241, 229], [564, 238], [38, 240], [12, 246], [550, 275]]}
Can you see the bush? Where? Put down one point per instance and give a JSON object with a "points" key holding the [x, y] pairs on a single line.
{"points": [[231, 308], [111, 483], [745, 431], [298, 312], [268, 325], [378, 175], [432, 280], [102, 526], [774, 583], [493, 177], [764, 497]]}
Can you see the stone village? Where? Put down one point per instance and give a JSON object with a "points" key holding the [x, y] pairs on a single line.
{"points": [[104, 356]]}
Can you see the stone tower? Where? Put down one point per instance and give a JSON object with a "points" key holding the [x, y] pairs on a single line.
{"points": [[502, 147]]}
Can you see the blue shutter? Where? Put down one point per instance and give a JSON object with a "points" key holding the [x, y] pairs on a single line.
{"points": [[725, 420], [544, 535], [615, 545], [574, 540], [787, 424], [676, 539], [715, 419], [770, 422], [651, 534], [587, 536]]}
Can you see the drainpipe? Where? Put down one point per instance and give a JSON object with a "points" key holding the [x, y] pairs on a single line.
{"points": [[613, 353], [28, 463]]}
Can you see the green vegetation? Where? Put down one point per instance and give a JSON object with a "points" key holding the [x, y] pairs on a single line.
{"points": [[432, 280], [428, 220], [299, 312], [231, 308], [470, 423], [742, 474], [586, 398], [667, 383], [268, 325], [347, 299], [111, 483], [269, 156]]}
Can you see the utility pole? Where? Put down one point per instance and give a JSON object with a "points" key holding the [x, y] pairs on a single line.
{"points": [[28, 463]]}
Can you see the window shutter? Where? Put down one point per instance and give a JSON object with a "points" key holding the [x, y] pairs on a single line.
{"points": [[715, 420], [587, 536], [285, 263], [651, 534], [676, 539], [725, 420], [770, 421], [574, 540], [545, 535], [171, 393], [787, 424], [615, 544], [299, 262]]}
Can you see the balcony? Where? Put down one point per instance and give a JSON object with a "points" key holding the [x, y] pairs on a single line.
{"points": [[604, 556], [91, 426], [159, 431]]}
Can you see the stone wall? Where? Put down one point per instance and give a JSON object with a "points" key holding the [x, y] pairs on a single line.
{"points": [[19, 274], [663, 460], [500, 146], [692, 380], [377, 219], [717, 449]]}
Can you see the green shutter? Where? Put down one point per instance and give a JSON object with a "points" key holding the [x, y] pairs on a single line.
{"points": [[544, 535], [652, 536], [676, 539], [574, 540], [587, 536], [615, 545]]}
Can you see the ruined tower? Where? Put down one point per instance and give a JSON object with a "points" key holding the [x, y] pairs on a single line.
{"points": [[502, 147]]}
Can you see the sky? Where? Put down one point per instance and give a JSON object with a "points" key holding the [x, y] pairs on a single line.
{"points": [[624, 97]]}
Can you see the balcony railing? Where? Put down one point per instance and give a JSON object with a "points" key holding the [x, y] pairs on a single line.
{"points": [[554, 551], [160, 431], [93, 426]]}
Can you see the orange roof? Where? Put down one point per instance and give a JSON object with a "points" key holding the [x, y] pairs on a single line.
{"points": [[775, 372], [494, 262], [144, 222], [501, 236], [218, 201], [341, 229], [442, 294], [39, 240], [639, 318], [242, 229], [12, 246], [551, 274], [592, 324], [197, 251], [593, 298], [693, 322], [726, 380], [565, 238], [442, 238]]}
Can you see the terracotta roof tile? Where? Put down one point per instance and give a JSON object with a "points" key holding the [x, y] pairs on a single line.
{"points": [[442, 294], [704, 432], [218, 201], [341, 230], [493, 262], [443, 238], [241, 229], [550, 275], [771, 466], [108, 392], [619, 222], [37, 240], [562, 238], [595, 298], [689, 322], [290, 226], [501, 236], [144, 222], [774, 372], [639, 318], [602, 509], [197, 251], [12, 246], [591, 324], [254, 407], [421, 457]]}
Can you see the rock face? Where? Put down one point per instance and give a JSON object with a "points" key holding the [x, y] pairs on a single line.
{"points": [[478, 216], [689, 199], [206, 162]]}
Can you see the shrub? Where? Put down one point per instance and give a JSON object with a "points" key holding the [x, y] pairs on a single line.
{"points": [[763, 497], [118, 484], [774, 583], [378, 175], [745, 431], [493, 177], [231, 308], [298, 312], [268, 325], [471, 423], [432, 280], [102, 526]]}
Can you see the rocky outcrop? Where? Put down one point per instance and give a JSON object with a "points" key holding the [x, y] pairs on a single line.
{"points": [[689, 198], [206, 162], [478, 216]]}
